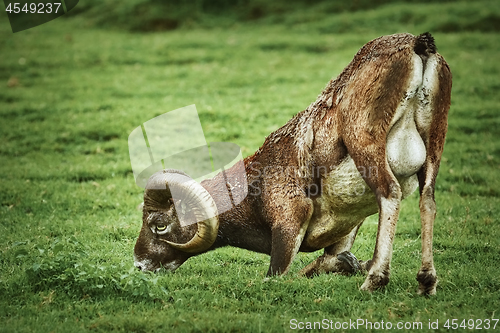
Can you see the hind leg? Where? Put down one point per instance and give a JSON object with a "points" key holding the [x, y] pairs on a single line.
{"points": [[439, 82], [336, 258]]}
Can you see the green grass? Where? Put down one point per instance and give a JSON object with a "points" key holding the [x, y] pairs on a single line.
{"points": [[323, 16], [69, 98]]}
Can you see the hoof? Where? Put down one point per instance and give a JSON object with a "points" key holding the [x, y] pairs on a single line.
{"points": [[350, 263], [374, 282], [427, 283]]}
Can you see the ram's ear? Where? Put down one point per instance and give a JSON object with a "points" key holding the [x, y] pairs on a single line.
{"points": [[173, 186]]}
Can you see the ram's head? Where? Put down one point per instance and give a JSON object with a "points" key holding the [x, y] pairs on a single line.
{"points": [[172, 197]]}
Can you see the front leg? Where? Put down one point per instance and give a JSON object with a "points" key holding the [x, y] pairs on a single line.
{"points": [[336, 258], [289, 226]]}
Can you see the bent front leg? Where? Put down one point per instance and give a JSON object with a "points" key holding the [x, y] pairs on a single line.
{"points": [[336, 258]]}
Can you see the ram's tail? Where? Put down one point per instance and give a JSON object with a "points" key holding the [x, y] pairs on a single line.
{"points": [[424, 45]]}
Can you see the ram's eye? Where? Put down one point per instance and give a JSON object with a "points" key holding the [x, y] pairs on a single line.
{"points": [[161, 227]]}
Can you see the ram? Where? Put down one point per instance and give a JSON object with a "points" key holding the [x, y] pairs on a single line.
{"points": [[373, 136]]}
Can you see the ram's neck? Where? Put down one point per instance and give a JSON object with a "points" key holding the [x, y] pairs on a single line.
{"points": [[240, 223]]}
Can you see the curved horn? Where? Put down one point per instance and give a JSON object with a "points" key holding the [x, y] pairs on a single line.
{"points": [[159, 190]]}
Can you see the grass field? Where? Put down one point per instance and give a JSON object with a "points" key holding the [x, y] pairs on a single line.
{"points": [[71, 93]]}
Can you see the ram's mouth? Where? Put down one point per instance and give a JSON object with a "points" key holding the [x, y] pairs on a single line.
{"points": [[169, 267], [143, 265], [147, 265]]}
